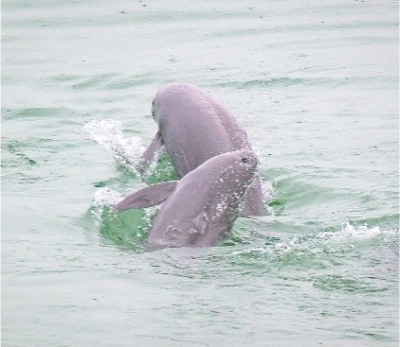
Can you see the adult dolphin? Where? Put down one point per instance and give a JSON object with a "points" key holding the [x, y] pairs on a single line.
{"points": [[200, 208], [194, 128]]}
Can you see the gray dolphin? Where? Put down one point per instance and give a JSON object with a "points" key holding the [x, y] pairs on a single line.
{"points": [[194, 128], [201, 207]]}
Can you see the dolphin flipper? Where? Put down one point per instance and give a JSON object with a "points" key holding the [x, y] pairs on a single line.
{"points": [[150, 152], [147, 197]]}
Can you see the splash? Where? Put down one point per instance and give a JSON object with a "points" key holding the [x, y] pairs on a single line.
{"points": [[349, 232], [343, 240], [267, 188], [108, 133], [104, 200]]}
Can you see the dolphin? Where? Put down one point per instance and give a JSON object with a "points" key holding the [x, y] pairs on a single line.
{"points": [[200, 208], [193, 127]]}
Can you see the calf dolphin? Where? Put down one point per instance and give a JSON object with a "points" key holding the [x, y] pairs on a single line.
{"points": [[194, 128], [200, 208]]}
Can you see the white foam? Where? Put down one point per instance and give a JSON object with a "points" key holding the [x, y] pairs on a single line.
{"points": [[267, 189], [349, 232], [150, 212], [344, 239], [104, 198], [125, 150]]}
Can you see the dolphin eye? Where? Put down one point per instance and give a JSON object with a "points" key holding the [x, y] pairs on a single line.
{"points": [[244, 160]]}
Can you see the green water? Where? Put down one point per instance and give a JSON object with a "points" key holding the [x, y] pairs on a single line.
{"points": [[315, 85]]}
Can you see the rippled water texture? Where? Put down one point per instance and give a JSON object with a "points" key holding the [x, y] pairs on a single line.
{"points": [[315, 85]]}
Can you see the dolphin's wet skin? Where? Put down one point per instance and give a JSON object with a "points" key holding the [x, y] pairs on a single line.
{"points": [[201, 207], [193, 127], [214, 159]]}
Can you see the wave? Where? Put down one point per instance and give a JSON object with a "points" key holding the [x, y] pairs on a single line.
{"points": [[108, 133]]}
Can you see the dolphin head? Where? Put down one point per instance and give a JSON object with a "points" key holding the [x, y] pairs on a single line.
{"points": [[237, 170], [238, 167], [171, 97]]}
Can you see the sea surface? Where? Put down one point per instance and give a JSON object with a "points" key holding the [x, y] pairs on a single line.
{"points": [[316, 86]]}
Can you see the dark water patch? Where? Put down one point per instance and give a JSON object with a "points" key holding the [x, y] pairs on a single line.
{"points": [[16, 148], [79, 82], [62, 79], [293, 192], [21, 178], [349, 284], [94, 82], [19, 158], [36, 146], [285, 82], [312, 29], [107, 183], [35, 113], [131, 81]]}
